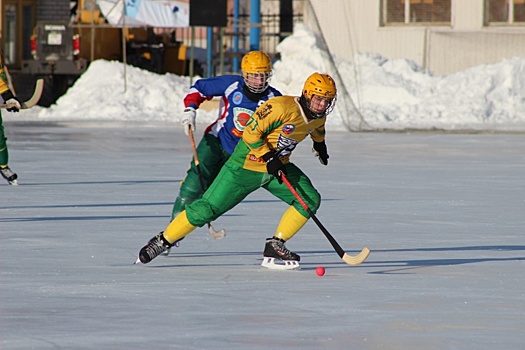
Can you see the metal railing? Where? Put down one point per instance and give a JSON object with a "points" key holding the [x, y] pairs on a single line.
{"points": [[223, 40]]}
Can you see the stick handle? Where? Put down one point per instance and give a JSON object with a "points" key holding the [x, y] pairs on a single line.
{"points": [[196, 158], [193, 148], [215, 234]]}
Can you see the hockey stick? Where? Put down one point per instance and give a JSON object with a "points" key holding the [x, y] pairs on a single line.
{"points": [[215, 234], [33, 100], [349, 259]]}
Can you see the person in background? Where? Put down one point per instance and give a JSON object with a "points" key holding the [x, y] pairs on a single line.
{"points": [[260, 159], [239, 97], [15, 105]]}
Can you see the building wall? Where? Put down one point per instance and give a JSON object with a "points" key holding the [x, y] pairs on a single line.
{"points": [[351, 26]]}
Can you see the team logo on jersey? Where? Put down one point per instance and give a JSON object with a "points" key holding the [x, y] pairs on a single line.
{"points": [[262, 112], [288, 129], [241, 117], [253, 158], [237, 98]]}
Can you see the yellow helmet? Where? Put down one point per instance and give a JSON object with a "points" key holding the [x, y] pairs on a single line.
{"points": [[321, 85], [256, 69]]}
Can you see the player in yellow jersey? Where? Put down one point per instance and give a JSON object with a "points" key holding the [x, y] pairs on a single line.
{"points": [[12, 100], [269, 138]]}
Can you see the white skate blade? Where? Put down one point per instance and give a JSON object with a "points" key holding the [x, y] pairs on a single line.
{"points": [[284, 264], [13, 182]]}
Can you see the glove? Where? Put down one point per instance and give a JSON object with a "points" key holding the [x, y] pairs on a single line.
{"points": [[319, 150], [274, 165], [188, 120], [10, 99]]}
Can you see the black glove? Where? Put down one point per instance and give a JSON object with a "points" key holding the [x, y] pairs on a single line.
{"points": [[9, 98], [274, 165], [321, 152]]}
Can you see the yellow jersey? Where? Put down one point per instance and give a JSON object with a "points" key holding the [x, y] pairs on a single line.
{"points": [[277, 125], [3, 76]]}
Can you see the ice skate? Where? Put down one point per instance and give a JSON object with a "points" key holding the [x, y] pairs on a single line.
{"points": [[154, 248], [9, 175], [278, 257]]}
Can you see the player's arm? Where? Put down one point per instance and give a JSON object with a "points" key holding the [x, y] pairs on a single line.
{"points": [[6, 93], [202, 90], [319, 148], [266, 119], [4, 86], [206, 89], [263, 134]]}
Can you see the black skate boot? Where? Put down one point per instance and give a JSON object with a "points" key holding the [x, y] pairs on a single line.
{"points": [[275, 249], [9, 175], [154, 248]]}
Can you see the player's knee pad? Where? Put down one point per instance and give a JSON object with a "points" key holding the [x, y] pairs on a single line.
{"points": [[201, 212]]}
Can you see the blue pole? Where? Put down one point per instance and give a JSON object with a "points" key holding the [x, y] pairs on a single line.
{"points": [[209, 51], [235, 67], [255, 22]]}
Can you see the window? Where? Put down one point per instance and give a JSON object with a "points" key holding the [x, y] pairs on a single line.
{"points": [[20, 18], [27, 30], [10, 34], [416, 11], [504, 11]]}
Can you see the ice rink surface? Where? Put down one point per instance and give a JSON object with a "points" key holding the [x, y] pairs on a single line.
{"points": [[443, 214]]}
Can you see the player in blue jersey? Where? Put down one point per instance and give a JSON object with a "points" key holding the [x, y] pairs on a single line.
{"points": [[239, 98]]}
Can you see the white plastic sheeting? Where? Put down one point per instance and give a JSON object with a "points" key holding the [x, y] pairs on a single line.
{"points": [[140, 13]]}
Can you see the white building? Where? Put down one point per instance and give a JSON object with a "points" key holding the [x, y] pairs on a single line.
{"points": [[443, 36]]}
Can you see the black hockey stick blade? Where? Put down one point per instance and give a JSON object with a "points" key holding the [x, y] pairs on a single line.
{"points": [[33, 100], [347, 258]]}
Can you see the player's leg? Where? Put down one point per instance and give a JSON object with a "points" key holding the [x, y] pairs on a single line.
{"points": [[6, 172], [4, 155], [211, 159], [293, 219], [230, 187], [296, 216]]}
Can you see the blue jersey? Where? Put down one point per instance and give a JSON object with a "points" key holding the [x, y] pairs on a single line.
{"points": [[235, 109]]}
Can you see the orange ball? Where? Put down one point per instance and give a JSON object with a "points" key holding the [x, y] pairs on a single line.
{"points": [[320, 271]]}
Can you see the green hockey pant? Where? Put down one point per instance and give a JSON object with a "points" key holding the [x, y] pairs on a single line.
{"points": [[4, 153], [234, 183], [211, 159]]}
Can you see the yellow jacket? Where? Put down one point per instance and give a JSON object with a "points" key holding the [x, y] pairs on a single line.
{"points": [[277, 125], [4, 86]]}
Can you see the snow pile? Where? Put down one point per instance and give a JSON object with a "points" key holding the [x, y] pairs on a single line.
{"points": [[390, 94], [396, 94]]}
